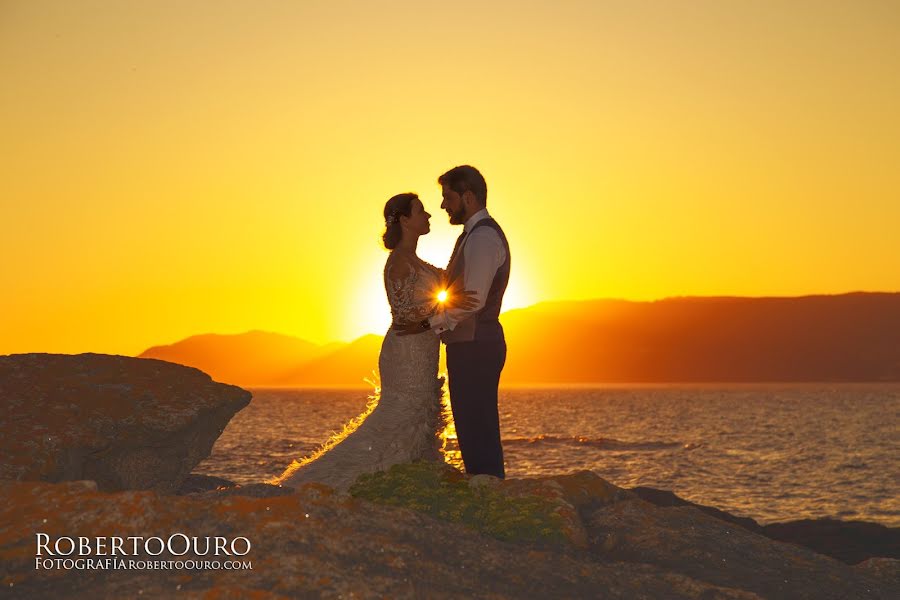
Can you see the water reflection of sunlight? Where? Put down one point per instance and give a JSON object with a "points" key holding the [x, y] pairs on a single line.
{"points": [[449, 445]]}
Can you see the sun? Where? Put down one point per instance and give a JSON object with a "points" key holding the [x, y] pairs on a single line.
{"points": [[518, 294], [366, 309]]}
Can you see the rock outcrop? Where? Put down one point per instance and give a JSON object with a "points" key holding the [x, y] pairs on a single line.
{"points": [[851, 542], [126, 423], [615, 525], [313, 542], [97, 447]]}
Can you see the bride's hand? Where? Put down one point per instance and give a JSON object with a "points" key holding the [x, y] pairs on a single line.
{"points": [[460, 300]]}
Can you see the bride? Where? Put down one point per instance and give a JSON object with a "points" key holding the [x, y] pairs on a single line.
{"points": [[406, 423]]}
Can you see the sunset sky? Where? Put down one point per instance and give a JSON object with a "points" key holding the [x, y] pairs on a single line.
{"points": [[180, 167]]}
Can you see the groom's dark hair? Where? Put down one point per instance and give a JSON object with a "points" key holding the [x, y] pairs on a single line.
{"points": [[464, 179]]}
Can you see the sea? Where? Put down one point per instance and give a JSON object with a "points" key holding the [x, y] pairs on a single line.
{"points": [[771, 452]]}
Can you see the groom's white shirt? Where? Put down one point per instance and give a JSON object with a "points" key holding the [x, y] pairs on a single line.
{"points": [[483, 252]]}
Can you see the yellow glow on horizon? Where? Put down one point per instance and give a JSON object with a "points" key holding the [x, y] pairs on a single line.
{"points": [[174, 172], [442, 296]]}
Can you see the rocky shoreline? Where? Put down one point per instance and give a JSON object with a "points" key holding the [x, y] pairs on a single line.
{"points": [[123, 435]]}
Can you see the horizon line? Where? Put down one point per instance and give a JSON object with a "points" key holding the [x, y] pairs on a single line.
{"points": [[545, 302], [349, 341]]}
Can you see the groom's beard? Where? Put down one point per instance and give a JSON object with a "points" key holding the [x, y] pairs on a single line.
{"points": [[456, 218]]}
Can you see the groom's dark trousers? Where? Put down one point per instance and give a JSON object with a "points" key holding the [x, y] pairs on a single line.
{"points": [[474, 373], [476, 352]]}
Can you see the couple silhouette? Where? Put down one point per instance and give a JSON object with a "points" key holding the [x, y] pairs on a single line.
{"points": [[406, 423]]}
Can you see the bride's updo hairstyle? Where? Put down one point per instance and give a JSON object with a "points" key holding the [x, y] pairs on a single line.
{"points": [[399, 205]]}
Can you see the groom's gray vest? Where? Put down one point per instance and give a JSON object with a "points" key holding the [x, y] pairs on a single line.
{"points": [[484, 324]]}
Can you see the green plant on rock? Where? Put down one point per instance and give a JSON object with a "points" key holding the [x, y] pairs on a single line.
{"points": [[443, 492]]}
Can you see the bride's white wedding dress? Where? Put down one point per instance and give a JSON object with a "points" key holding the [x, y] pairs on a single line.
{"points": [[407, 421]]}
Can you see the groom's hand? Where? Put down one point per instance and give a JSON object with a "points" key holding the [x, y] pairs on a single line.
{"points": [[464, 300]]}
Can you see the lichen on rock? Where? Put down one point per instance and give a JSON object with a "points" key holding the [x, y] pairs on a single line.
{"points": [[443, 492]]}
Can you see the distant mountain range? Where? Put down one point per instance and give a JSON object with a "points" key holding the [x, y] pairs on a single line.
{"points": [[256, 357], [849, 337]]}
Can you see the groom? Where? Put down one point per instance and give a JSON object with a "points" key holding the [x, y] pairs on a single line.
{"points": [[476, 348]]}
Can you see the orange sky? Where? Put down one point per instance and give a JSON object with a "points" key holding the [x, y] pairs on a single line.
{"points": [[172, 168]]}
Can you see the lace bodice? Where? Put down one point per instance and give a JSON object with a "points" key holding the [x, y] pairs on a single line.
{"points": [[412, 289]]}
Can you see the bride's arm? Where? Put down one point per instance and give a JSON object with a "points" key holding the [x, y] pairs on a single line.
{"points": [[399, 282]]}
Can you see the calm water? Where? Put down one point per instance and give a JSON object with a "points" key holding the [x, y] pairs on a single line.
{"points": [[771, 452]]}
